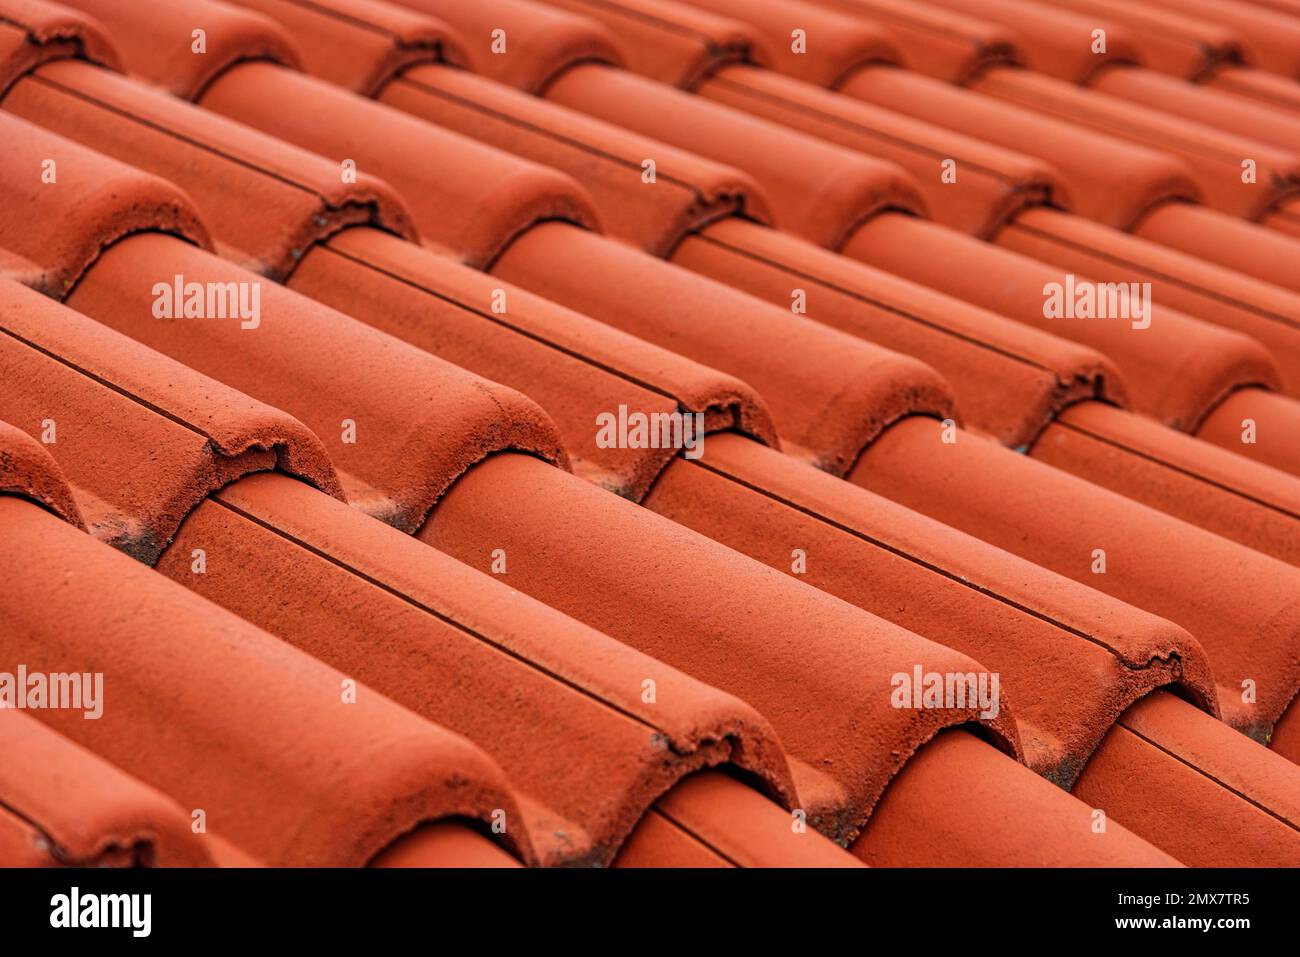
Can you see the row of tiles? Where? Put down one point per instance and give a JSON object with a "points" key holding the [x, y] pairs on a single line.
{"points": [[392, 507]]}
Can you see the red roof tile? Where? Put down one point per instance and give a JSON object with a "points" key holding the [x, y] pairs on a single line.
{"points": [[635, 577], [830, 394], [1240, 608], [903, 833], [1199, 793], [1084, 656], [28, 470], [941, 43], [536, 43], [141, 439], [685, 677], [33, 32], [1174, 40], [443, 640], [52, 235], [184, 673]]}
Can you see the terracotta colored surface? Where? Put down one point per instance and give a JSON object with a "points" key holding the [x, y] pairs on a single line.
{"points": [[940, 812], [1109, 180], [1277, 91], [1270, 40], [155, 39], [1227, 494], [1050, 39], [52, 235], [1175, 370], [1240, 605], [991, 184], [1009, 380], [1225, 111], [360, 44], [674, 43], [540, 42], [1263, 253], [142, 439], [1191, 786], [819, 190], [463, 196], [688, 190], [1286, 734], [835, 43], [520, 695], [575, 368], [1216, 294], [710, 819], [28, 470], [82, 810], [299, 198], [358, 775], [946, 44], [32, 33], [1212, 155], [444, 844], [1284, 217], [637, 577], [829, 393], [1070, 659], [440, 639], [417, 421], [1172, 40], [1269, 419]]}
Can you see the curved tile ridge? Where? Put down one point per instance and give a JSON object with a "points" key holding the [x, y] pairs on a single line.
{"points": [[830, 393], [28, 470], [305, 774], [1053, 40], [33, 32], [1009, 379], [1242, 606], [671, 42], [466, 197], [1111, 180], [182, 45], [61, 205], [1072, 659], [710, 819], [81, 811], [360, 44], [444, 640], [399, 424], [817, 668], [688, 190], [1196, 788], [948, 46], [1176, 369], [522, 44], [1205, 290], [581, 371], [294, 198], [1228, 494], [829, 47], [819, 190], [143, 439], [993, 184]]}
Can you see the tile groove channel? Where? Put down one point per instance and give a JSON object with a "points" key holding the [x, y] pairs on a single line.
{"points": [[447, 619], [916, 560]]}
